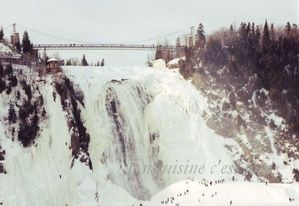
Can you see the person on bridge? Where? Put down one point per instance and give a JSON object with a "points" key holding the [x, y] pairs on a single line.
{"points": [[102, 62]]}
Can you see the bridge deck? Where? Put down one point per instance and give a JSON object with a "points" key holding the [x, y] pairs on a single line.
{"points": [[99, 47]]}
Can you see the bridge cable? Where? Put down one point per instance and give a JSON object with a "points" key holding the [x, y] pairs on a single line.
{"points": [[7, 27], [160, 37], [72, 40], [50, 35]]}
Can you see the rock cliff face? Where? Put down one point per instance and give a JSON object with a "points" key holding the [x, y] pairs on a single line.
{"points": [[241, 109]]}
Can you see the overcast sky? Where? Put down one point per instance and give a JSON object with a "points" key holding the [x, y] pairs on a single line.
{"points": [[113, 21]]}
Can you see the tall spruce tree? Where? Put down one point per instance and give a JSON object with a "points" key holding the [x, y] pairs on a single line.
{"points": [[248, 28], [288, 28], [243, 32], [253, 28], [26, 44], [272, 33], [257, 35], [201, 41], [266, 36], [231, 29]]}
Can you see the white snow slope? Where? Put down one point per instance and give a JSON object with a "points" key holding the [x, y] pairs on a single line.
{"points": [[194, 193], [6, 51], [147, 132]]}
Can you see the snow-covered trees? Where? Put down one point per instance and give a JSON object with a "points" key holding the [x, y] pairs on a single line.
{"points": [[214, 51], [270, 53]]}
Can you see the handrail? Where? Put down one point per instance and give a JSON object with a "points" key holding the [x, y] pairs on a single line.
{"points": [[101, 46]]}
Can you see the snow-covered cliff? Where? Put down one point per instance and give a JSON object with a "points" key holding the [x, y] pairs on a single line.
{"points": [[64, 138]]}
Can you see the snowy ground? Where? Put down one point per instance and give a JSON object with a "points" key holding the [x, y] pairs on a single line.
{"points": [[196, 193], [6, 51], [193, 193]]}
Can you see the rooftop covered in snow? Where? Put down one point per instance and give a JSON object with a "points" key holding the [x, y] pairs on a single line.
{"points": [[52, 60]]}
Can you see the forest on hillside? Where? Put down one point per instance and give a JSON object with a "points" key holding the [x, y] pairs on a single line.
{"points": [[269, 53]]}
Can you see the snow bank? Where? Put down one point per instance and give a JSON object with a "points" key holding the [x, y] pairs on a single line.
{"points": [[174, 63], [159, 64], [195, 193]]}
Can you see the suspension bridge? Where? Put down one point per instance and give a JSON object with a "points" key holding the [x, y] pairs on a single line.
{"points": [[99, 47], [77, 45]]}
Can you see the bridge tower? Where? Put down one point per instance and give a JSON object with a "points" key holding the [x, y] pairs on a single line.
{"points": [[15, 37], [14, 28]]}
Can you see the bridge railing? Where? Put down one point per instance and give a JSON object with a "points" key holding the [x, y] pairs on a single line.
{"points": [[100, 46]]}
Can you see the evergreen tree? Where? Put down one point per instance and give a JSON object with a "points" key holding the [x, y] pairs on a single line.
{"points": [[266, 37], [248, 28], [26, 44], [253, 29], [257, 35], [288, 28], [84, 62], [230, 41], [231, 29], [272, 33], [201, 41], [243, 32], [1, 34]]}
